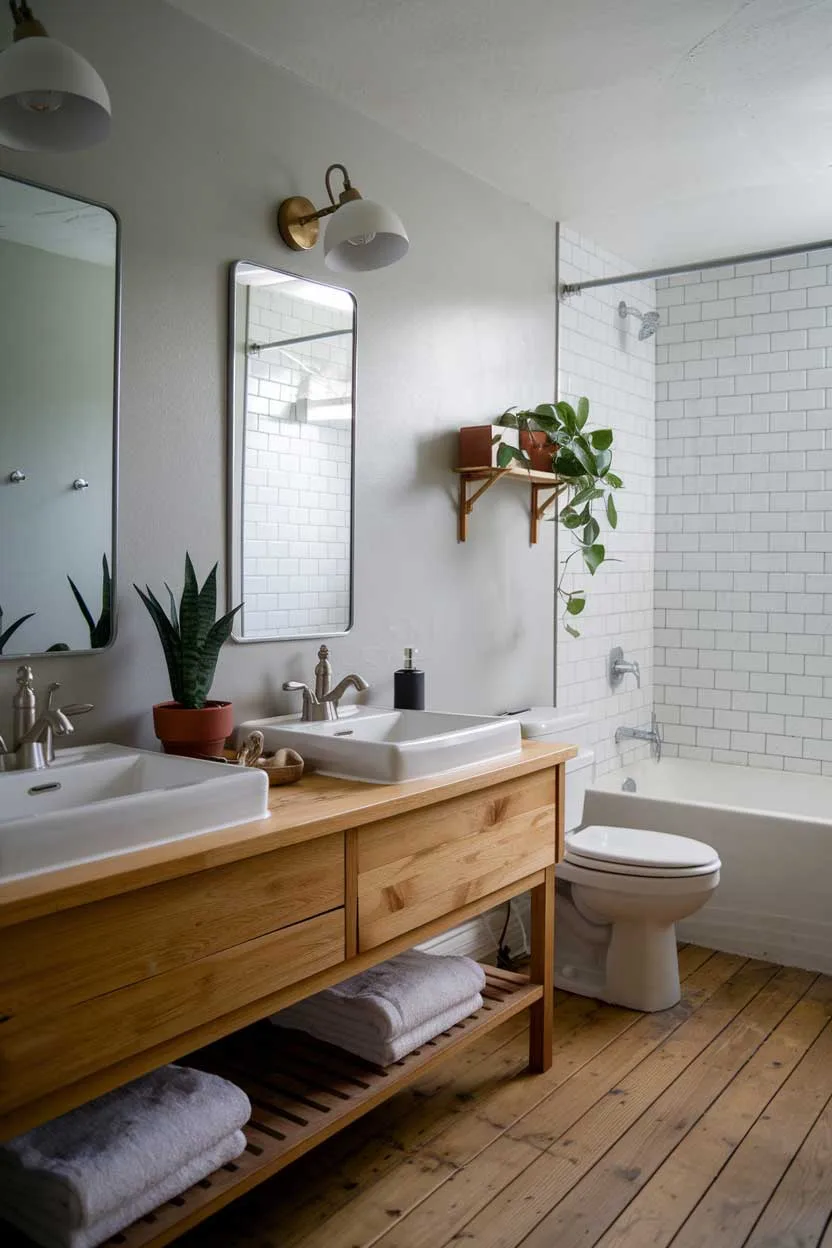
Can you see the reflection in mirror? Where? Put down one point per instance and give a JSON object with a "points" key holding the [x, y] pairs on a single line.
{"points": [[58, 375], [291, 461]]}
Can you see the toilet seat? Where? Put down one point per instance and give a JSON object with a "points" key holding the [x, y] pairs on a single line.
{"points": [[639, 852]]}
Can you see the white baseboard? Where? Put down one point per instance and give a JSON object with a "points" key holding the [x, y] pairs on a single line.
{"points": [[477, 938]]}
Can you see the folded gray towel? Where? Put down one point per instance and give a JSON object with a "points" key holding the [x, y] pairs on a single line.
{"points": [[394, 998], [102, 1155], [369, 1045], [50, 1229]]}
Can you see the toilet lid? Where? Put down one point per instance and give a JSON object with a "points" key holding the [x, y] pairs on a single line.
{"points": [[639, 849]]}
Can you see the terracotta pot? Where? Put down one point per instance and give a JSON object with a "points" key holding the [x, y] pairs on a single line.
{"points": [[539, 449], [195, 733]]}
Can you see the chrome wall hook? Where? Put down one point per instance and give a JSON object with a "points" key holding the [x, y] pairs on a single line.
{"points": [[17, 476], [80, 484]]}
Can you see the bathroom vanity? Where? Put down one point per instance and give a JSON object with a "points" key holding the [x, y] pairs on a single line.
{"points": [[113, 967]]}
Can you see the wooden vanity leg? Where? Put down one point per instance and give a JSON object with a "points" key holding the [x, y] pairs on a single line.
{"points": [[542, 972]]}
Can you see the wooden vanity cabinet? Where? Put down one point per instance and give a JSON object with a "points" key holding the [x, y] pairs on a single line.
{"points": [[108, 970]]}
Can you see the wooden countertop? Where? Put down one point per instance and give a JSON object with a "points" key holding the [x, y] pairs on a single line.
{"points": [[316, 806]]}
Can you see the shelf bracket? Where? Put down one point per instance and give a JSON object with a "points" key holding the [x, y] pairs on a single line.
{"points": [[466, 504], [538, 510]]}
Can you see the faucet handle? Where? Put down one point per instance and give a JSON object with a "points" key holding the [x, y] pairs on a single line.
{"points": [[295, 686]]}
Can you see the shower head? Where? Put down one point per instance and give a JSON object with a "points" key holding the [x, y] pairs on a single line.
{"points": [[649, 320]]}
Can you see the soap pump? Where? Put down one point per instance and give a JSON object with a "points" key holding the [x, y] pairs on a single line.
{"points": [[409, 685]]}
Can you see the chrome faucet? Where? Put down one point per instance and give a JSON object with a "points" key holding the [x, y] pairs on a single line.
{"points": [[323, 703], [621, 667], [652, 734], [33, 744]]}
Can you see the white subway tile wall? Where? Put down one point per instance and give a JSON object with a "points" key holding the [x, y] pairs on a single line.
{"points": [[601, 357], [297, 475], [744, 513]]}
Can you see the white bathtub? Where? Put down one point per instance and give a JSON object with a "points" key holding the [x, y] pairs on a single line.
{"points": [[773, 832]]}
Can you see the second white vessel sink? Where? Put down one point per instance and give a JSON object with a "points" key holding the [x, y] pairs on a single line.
{"points": [[102, 800], [388, 747]]}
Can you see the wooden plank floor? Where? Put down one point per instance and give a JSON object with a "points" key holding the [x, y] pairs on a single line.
{"points": [[708, 1124]]}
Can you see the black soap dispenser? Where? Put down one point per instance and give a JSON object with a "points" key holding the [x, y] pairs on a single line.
{"points": [[409, 685]]}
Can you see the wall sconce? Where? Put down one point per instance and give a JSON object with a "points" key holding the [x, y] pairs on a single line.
{"points": [[362, 234], [51, 99]]}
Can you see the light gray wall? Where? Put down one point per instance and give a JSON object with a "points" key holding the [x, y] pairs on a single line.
{"points": [[207, 139]]}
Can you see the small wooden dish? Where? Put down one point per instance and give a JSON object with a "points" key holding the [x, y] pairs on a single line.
{"points": [[284, 767]]}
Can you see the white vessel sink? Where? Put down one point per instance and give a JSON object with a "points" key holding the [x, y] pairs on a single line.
{"points": [[102, 800], [387, 747]]}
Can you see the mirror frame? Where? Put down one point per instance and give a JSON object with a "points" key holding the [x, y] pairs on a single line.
{"points": [[114, 556], [234, 523]]}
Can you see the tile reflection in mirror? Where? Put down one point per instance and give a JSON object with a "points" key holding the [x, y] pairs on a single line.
{"points": [[291, 439], [58, 388]]}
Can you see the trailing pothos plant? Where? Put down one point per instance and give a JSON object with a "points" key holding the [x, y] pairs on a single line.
{"points": [[583, 458]]}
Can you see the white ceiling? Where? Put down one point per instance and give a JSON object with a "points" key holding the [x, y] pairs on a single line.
{"points": [[666, 130]]}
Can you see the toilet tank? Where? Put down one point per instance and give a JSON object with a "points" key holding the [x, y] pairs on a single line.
{"points": [[547, 723]]}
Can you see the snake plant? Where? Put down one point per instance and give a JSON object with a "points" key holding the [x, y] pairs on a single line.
{"points": [[583, 459], [191, 636]]}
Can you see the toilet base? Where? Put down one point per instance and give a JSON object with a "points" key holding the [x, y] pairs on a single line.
{"points": [[637, 966], [643, 966]]}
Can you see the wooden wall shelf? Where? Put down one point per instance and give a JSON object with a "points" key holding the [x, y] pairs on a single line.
{"points": [[302, 1092], [540, 483]]}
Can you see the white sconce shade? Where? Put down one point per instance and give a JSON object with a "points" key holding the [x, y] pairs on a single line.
{"points": [[364, 235], [51, 99], [360, 234]]}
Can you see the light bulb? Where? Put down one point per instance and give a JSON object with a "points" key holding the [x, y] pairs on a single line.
{"points": [[41, 101], [361, 240]]}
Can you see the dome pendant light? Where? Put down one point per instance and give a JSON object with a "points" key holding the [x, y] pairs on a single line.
{"points": [[51, 99], [362, 235]]}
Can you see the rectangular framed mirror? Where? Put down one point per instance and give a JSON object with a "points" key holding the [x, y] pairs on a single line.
{"points": [[292, 356], [59, 334]]}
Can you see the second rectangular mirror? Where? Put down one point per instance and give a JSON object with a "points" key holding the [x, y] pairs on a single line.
{"points": [[291, 442]]}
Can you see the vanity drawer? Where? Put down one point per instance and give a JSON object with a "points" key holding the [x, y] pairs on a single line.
{"points": [[417, 867], [38, 1056], [56, 961]]}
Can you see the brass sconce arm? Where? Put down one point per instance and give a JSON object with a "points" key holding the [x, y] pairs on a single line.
{"points": [[297, 217]]}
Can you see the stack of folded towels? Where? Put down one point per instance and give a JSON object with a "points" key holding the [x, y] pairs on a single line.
{"points": [[75, 1181], [388, 1011]]}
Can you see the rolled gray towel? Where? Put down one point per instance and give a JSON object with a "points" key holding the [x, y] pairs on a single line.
{"points": [[102, 1155]]}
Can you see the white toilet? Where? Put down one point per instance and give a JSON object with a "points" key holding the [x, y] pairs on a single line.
{"points": [[620, 891]]}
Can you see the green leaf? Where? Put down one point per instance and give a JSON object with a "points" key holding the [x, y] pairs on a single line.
{"points": [[208, 656], [612, 514], [566, 465], [207, 604], [568, 416], [591, 531], [170, 639], [601, 439], [575, 605], [587, 495], [594, 557], [508, 419], [602, 462], [571, 520], [174, 615], [582, 413], [85, 611], [549, 424], [573, 632], [582, 452], [613, 480], [12, 629], [58, 646], [506, 456]]}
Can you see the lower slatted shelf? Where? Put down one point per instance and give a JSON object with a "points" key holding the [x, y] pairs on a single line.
{"points": [[302, 1092]]}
